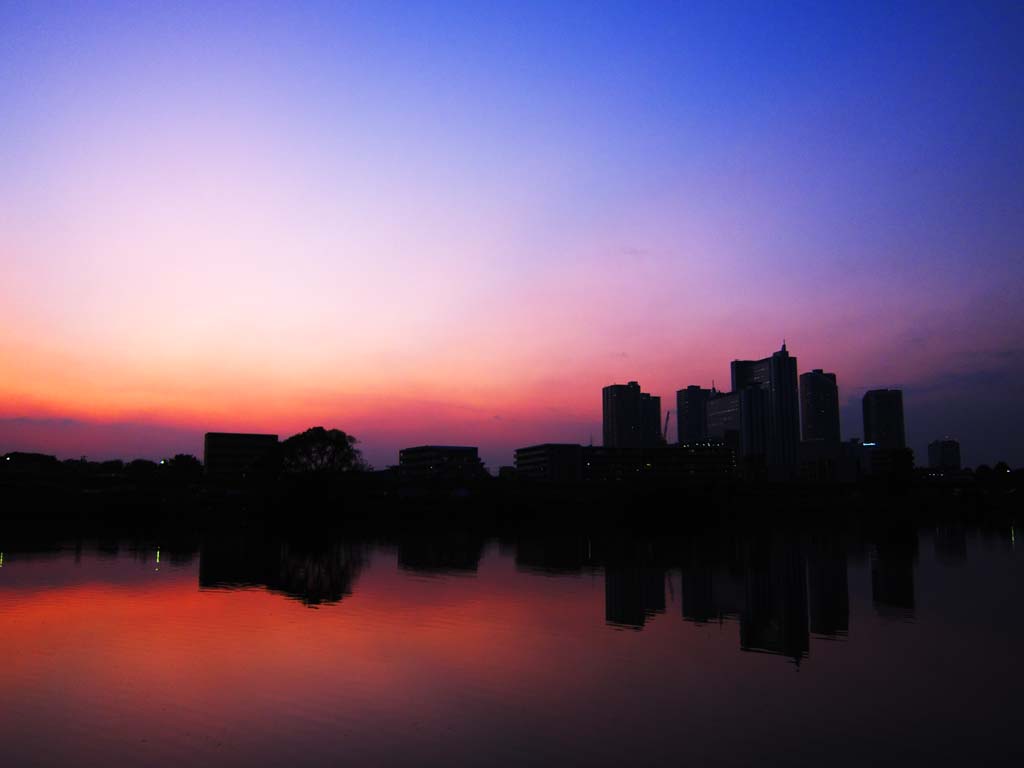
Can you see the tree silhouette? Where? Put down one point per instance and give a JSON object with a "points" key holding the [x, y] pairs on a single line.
{"points": [[322, 451], [185, 468]]}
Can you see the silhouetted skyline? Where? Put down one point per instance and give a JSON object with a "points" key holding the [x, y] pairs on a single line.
{"points": [[455, 225]]}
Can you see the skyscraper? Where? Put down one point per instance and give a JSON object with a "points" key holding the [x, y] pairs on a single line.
{"points": [[777, 375], [944, 454], [631, 418], [723, 415], [650, 420], [691, 414], [754, 414], [819, 406], [883, 419]]}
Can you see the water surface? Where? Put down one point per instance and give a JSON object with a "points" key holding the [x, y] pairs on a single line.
{"points": [[727, 649]]}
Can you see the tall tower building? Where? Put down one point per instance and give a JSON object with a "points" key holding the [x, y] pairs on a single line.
{"points": [[723, 415], [819, 406], [691, 414], [883, 418], [631, 418], [650, 420], [776, 375], [944, 454]]}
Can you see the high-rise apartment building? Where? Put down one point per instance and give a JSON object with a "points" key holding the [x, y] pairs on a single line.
{"points": [[630, 418], [777, 376], [819, 407], [944, 455], [883, 419], [691, 414]]}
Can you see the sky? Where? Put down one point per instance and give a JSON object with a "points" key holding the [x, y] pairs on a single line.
{"points": [[455, 222]]}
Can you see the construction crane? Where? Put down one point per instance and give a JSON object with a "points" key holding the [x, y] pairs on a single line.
{"points": [[664, 431]]}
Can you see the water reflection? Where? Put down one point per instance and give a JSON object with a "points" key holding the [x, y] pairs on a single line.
{"points": [[587, 648], [828, 587], [633, 594], [314, 574], [892, 573], [437, 555], [774, 618], [778, 588]]}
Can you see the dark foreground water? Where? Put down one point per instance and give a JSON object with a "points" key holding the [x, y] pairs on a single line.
{"points": [[789, 647]]}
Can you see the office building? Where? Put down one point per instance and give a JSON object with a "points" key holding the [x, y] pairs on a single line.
{"points": [[630, 418], [723, 418], [944, 455], [777, 375], [650, 421], [819, 407], [883, 419], [554, 462], [754, 415], [236, 454], [447, 463], [691, 414]]}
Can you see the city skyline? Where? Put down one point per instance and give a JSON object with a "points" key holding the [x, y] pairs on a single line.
{"points": [[631, 419], [456, 225]]}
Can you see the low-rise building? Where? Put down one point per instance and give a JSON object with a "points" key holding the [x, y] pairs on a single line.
{"points": [[447, 463], [236, 454]]}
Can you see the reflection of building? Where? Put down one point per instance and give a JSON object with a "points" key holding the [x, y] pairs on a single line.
{"points": [[892, 574], [451, 463], [630, 418], [951, 544], [710, 593], [883, 419], [944, 455], [819, 406], [632, 594], [774, 619], [434, 554], [233, 454], [312, 574], [691, 414], [828, 587], [554, 554]]}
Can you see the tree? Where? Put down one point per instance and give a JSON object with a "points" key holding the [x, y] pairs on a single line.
{"points": [[185, 468], [322, 451]]}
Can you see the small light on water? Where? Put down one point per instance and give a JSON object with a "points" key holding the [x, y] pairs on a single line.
{"points": [[2, 558]]}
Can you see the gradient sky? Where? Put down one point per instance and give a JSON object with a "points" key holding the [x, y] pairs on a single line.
{"points": [[454, 223]]}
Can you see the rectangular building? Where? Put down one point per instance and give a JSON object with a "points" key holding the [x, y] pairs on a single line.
{"points": [[236, 454], [819, 406], [723, 417], [630, 418], [691, 414], [778, 376], [449, 463], [944, 455], [553, 462], [883, 419]]}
